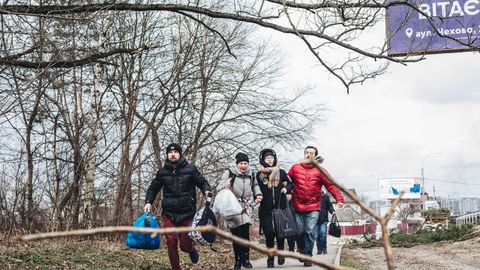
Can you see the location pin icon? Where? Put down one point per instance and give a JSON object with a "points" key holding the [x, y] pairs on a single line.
{"points": [[409, 32]]}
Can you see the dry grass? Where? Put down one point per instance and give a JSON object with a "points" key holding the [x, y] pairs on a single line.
{"points": [[441, 255], [104, 254]]}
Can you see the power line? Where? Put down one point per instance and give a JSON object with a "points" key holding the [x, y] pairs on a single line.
{"points": [[451, 181]]}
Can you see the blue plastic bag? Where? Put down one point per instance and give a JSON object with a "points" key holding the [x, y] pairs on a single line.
{"points": [[144, 240]]}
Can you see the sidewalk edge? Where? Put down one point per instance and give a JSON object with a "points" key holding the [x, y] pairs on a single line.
{"points": [[337, 257]]}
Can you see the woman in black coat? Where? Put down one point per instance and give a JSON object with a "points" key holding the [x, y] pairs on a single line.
{"points": [[274, 184]]}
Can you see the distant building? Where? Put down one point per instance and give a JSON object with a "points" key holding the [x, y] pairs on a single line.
{"points": [[460, 206], [430, 204], [378, 205], [347, 201]]}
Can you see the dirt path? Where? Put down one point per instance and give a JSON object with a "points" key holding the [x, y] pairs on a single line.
{"points": [[445, 255]]}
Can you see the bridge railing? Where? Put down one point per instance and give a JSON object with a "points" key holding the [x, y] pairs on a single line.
{"points": [[473, 218]]}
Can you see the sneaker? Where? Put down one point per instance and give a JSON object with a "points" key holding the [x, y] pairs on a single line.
{"points": [[194, 256], [324, 252], [319, 252], [281, 260], [307, 264]]}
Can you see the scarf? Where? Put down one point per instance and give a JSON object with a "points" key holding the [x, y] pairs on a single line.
{"points": [[273, 174]]}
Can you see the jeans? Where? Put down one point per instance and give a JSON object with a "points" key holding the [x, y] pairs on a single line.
{"points": [[307, 222], [186, 244], [321, 229]]}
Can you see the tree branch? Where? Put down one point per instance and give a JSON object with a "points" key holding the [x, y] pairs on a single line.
{"points": [[208, 228], [94, 58]]}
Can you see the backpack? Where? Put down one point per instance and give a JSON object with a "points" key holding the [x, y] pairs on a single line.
{"points": [[202, 217], [144, 240], [232, 177]]}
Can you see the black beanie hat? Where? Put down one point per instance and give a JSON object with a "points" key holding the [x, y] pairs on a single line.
{"points": [[267, 152], [174, 146], [241, 157]]}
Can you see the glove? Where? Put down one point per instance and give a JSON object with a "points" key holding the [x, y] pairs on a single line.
{"points": [[319, 159]]}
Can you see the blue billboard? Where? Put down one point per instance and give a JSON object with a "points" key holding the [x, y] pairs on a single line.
{"points": [[432, 26]]}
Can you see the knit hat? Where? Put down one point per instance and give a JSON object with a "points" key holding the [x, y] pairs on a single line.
{"points": [[241, 157], [267, 152], [174, 146]]}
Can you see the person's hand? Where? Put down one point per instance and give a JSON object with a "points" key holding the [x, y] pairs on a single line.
{"points": [[284, 190], [259, 199], [147, 208], [227, 186], [289, 197], [340, 205]]}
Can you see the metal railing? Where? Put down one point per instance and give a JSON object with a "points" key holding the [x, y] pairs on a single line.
{"points": [[473, 218]]}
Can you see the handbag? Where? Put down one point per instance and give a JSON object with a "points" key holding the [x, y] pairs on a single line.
{"points": [[203, 217], [334, 228], [144, 240], [284, 221]]}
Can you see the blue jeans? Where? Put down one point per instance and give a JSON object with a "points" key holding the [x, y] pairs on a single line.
{"points": [[307, 222], [321, 229]]}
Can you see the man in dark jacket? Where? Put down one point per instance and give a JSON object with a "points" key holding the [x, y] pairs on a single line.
{"points": [[321, 227], [178, 180]]}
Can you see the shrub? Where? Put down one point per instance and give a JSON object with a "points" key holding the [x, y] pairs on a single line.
{"points": [[441, 212], [425, 236]]}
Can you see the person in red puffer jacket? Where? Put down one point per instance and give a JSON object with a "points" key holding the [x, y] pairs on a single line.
{"points": [[307, 196]]}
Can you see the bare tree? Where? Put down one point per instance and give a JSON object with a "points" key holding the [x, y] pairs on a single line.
{"points": [[332, 31], [99, 126]]}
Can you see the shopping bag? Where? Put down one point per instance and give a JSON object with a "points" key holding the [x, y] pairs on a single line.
{"points": [[144, 240], [284, 221], [203, 217], [226, 204], [334, 228]]}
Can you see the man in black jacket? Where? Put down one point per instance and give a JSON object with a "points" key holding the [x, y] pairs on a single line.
{"points": [[178, 180], [321, 227]]}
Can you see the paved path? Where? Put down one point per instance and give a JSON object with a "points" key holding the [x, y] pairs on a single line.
{"points": [[334, 247]]}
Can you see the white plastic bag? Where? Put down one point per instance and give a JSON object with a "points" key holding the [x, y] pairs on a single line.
{"points": [[226, 204]]}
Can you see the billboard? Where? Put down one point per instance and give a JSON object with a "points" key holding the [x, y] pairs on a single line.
{"points": [[432, 26], [390, 188]]}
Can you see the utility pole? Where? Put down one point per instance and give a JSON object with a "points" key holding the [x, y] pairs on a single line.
{"points": [[422, 171], [423, 193]]}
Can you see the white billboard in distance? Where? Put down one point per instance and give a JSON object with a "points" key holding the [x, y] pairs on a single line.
{"points": [[390, 188]]}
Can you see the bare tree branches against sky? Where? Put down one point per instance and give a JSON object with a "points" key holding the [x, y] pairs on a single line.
{"points": [[330, 28]]}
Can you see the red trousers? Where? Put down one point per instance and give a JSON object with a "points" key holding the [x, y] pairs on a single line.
{"points": [[186, 244]]}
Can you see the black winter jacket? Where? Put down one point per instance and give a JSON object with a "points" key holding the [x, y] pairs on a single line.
{"points": [[179, 194], [271, 199], [325, 207]]}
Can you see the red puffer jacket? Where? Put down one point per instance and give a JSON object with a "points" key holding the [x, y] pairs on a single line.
{"points": [[307, 188]]}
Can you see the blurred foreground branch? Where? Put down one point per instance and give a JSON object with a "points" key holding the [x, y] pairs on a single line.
{"points": [[208, 228]]}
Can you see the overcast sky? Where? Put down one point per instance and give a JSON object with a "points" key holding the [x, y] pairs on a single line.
{"points": [[428, 111]]}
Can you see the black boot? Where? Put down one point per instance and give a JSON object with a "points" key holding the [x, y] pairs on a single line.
{"points": [[301, 252], [238, 264], [246, 261], [281, 260], [270, 263]]}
